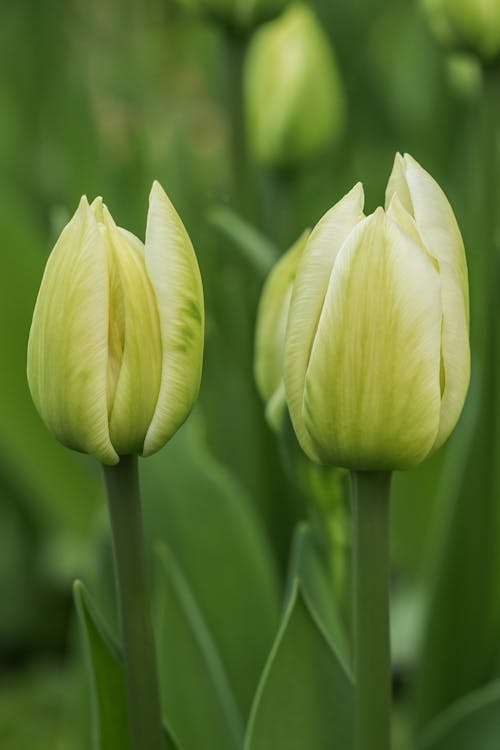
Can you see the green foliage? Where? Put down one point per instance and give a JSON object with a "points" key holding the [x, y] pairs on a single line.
{"points": [[472, 722], [193, 678], [304, 698], [106, 678]]}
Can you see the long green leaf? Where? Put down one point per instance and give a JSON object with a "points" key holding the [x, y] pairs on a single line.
{"points": [[193, 679], [473, 722], [106, 679], [202, 514], [305, 698], [310, 567], [109, 710]]}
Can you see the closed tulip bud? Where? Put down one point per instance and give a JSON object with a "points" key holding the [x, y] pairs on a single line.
{"points": [[116, 343], [377, 349], [471, 25], [270, 332], [239, 14], [294, 101]]}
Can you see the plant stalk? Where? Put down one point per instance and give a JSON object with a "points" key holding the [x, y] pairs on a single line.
{"points": [[143, 695], [372, 653]]}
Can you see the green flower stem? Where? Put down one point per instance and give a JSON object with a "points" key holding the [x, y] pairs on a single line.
{"points": [[143, 697], [372, 655]]}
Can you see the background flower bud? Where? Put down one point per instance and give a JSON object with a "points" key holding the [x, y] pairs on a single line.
{"points": [[116, 343], [466, 24], [272, 317], [293, 96], [377, 356], [241, 14]]}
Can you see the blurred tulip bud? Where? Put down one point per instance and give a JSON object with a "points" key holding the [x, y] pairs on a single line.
{"points": [[472, 25], [116, 343], [377, 356], [270, 332], [239, 14], [293, 96]]}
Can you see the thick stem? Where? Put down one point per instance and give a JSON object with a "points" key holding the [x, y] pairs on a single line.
{"points": [[143, 698], [372, 654]]}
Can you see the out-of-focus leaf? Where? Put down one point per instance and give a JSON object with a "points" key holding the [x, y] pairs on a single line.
{"points": [[109, 710], [472, 722], [305, 698], [309, 565], [195, 506], [107, 680], [259, 250], [461, 645], [194, 683]]}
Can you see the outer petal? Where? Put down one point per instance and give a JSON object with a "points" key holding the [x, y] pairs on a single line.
{"points": [[272, 317], [175, 276], [308, 295], [435, 221], [136, 382], [372, 393], [68, 343]]}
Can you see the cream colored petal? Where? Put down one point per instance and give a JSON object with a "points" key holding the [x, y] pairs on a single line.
{"points": [[68, 343], [173, 269], [437, 226], [136, 385], [272, 316], [372, 392], [311, 283], [433, 216], [276, 407]]}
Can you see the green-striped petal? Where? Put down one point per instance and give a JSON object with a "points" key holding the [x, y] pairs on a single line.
{"points": [[311, 284], [435, 221], [68, 343], [135, 383], [372, 391], [270, 331], [173, 270]]}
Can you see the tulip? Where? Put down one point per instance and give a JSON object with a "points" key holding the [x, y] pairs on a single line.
{"points": [[294, 101], [239, 14], [272, 317], [377, 358], [116, 343], [467, 24]]}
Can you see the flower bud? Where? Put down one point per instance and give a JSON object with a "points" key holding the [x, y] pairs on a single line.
{"points": [[377, 358], [239, 14], [466, 24], [116, 343], [293, 97], [272, 317]]}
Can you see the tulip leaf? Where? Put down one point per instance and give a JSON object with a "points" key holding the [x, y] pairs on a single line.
{"points": [[464, 607], [305, 697], [193, 679], [107, 681], [308, 564], [472, 722], [109, 710], [256, 248], [205, 518]]}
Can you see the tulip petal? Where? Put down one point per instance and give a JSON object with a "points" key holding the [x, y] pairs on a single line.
{"points": [[173, 270], [434, 218], [311, 283], [135, 380], [372, 391], [68, 343], [272, 318]]}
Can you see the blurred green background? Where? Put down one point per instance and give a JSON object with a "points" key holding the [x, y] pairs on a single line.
{"points": [[103, 97]]}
